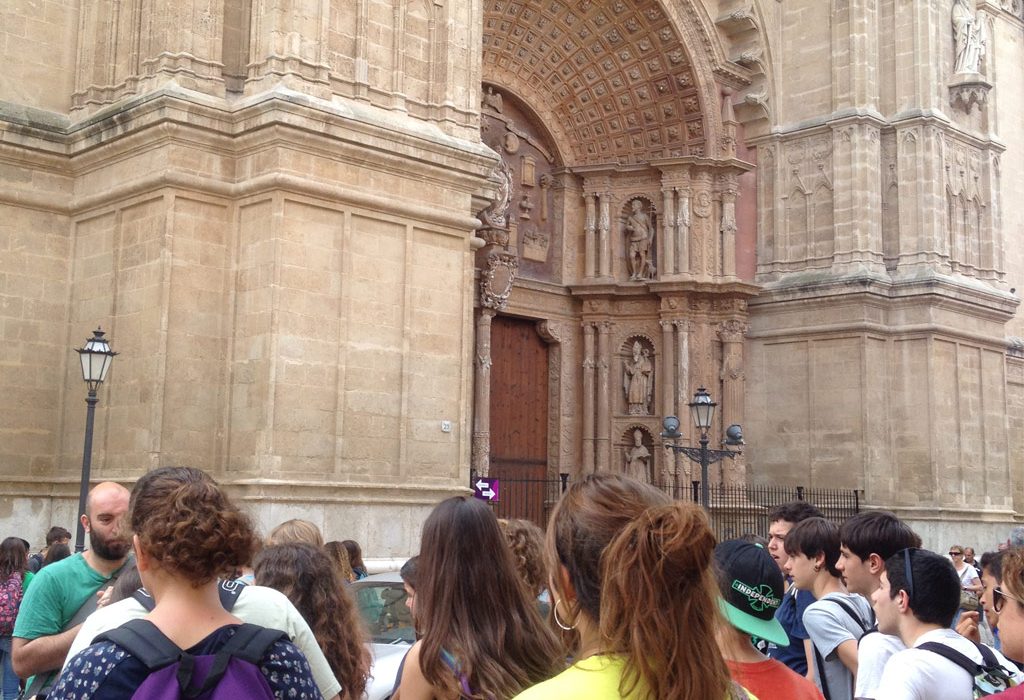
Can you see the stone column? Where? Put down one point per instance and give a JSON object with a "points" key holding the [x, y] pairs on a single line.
{"points": [[682, 389], [668, 222], [728, 226], [604, 235], [701, 242], [589, 398], [481, 459], [668, 382], [589, 244], [604, 360], [731, 333], [682, 229]]}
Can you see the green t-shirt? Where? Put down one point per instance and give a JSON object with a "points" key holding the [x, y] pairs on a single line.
{"points": [[56, 594], [593, 678]]}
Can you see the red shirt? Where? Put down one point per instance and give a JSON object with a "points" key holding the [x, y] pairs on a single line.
{"points": [[771, 680], [1011, 694]]}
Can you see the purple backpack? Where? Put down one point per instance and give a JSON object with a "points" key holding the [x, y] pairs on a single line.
{"points": [[232, 672]]}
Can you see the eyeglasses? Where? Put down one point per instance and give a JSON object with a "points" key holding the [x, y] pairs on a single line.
{"points": [[999, 597], [956, 554]]}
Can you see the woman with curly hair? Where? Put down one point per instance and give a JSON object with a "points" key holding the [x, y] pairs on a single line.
{"points": [[187, 534], [339, 554], [632, 577], [526, 541], [482, 636], [309, 578]]}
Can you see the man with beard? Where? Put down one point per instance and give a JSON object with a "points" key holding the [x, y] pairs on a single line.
{"points": [[42, 635]]}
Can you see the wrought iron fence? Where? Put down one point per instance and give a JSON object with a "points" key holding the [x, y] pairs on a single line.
{"points": [[734, 511]]}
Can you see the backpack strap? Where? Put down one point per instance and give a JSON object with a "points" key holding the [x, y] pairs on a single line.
{"points": [[950, 654], [144, 641], [864, 629]]}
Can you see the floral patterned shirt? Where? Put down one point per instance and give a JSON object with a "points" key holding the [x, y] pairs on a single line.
{"points": [[105, 671]]}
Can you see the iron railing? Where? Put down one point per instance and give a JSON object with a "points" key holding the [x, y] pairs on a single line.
{"points": [[735, 510]]}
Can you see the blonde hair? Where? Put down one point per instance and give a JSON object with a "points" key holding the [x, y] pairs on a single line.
{"points": [[296, 530], [339, 555]]}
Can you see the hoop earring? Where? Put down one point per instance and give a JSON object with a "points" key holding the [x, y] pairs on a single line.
{"points": [[562, 625]]}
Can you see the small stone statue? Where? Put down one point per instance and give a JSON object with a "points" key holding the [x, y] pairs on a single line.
{"points": [[637, 381], [640, 232], [638, 458], [969, 38]]}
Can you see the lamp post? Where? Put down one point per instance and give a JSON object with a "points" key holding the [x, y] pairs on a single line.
{"points": [[96, 358], [702, 409]]}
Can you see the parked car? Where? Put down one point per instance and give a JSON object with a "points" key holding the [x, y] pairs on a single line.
{"points": [[381, 601]]}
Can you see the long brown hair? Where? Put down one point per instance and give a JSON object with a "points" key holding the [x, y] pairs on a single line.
{"points": [[309, 578], [13, 558], [471, 603], [641, 566]]}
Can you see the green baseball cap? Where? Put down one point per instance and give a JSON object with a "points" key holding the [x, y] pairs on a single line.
{"points": [[752, 589]]}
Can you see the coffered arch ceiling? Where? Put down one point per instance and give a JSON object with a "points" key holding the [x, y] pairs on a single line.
{"points": [[612, 80]]}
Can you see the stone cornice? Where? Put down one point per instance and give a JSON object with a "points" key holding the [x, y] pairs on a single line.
{"points": [[180, 111]]}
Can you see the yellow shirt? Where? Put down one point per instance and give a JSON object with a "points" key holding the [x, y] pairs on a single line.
{"points": [[593, 678]]}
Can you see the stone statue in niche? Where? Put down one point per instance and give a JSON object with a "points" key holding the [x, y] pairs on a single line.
{"points": [[969, 38], [637, 381], [640, 233], [637, 458]]}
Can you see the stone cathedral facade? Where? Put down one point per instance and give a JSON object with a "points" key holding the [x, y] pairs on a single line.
{"points": [[350, 250]]}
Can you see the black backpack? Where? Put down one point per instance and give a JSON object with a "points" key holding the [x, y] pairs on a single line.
{"points": [[989, 677]]}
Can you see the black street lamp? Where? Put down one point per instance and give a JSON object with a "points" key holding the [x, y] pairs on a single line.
{"points": [[96, 358], [702, 409]]}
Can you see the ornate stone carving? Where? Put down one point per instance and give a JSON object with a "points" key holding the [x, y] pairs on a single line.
{"points": [[638, 381], [497, 280], [496, 215], [639, 237]]}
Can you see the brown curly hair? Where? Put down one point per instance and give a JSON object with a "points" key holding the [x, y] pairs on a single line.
{"points": [[526, 541], [310, 580], [186, 523]]}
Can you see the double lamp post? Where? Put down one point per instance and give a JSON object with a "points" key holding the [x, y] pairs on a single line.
{"points": [[702, 409], [96, 358]]}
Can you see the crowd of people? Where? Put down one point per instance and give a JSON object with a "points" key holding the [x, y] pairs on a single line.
{"points": [[626, 595]]}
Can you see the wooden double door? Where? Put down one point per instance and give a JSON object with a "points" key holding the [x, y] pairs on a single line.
{"points": [[519, 417]]}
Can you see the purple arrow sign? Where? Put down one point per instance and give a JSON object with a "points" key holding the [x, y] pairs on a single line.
{"points": [[486, 489]]}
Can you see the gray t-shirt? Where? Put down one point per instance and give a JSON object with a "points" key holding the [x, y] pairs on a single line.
{"points": [[829, 626]]}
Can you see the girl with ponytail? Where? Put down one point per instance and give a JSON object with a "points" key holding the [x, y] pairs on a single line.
{"points": [[632, 577]]}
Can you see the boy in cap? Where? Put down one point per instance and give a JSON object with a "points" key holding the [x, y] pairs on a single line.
{"points": [[752, 589]]}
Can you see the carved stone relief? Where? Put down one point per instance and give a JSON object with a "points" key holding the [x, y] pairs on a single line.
{"points": [[526, 202], [808, 202], [966, 204], [496, 281]]}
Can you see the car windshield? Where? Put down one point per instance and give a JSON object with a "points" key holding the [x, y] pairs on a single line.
{"points": [[382, 605]]}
